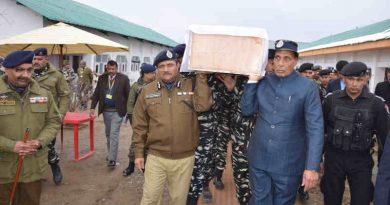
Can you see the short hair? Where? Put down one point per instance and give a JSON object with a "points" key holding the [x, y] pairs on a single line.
{"points": [[112, 62]]}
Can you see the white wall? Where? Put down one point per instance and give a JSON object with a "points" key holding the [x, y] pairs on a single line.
{"points": [[377, 60], [17, 19]]}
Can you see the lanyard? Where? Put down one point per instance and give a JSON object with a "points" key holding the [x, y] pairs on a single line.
{"points": [[110, 85]]}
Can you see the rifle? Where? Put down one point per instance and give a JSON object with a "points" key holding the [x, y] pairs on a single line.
{"points": [[20, 162]]}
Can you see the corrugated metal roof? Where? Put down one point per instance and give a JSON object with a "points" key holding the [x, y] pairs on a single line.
{"points": [[351, 34], [76, 13]]}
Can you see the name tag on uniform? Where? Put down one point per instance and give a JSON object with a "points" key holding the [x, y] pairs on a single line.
{"points": [[34, 100], [7, 102], [109, 96], [153, 95]]}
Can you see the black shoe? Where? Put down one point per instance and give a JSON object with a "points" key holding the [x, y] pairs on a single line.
{"points": [[57, 175], [111, 164], [192, 201], [207, 196], [303, 195], [129, 170], [218, 183]]}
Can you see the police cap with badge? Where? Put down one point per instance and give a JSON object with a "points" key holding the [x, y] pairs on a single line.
{"points": [[164, 56], [354, 69], [17, 58], [286, 45]]}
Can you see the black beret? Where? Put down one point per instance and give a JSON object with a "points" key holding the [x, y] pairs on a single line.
{"points": [[340, 65], [356, 69], [17, 58], [305, 66], [179, 50], [271, 53], [147, 68], [163, 56], [288, 45], [40, 52], [325, 72]]}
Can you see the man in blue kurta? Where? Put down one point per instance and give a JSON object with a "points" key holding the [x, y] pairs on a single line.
{"points": [[286, 145]]}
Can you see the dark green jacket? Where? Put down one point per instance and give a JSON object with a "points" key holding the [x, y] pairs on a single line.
{"points": [[36, 110]]}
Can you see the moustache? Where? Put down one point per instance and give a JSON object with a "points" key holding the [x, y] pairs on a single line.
{"points": [[24, 79]]}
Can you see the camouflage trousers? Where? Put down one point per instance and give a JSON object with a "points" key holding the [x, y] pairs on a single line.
{"points": [[221, 140], [203, 166], [241, 131], [238, 130], [53, 157]]}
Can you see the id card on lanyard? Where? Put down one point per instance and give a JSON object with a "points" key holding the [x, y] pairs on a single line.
{"points": [[111, 82]]}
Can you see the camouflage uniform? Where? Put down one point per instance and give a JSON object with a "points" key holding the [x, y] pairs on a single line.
{"points": [[71, 79], [233, 126], [85, 85], [241, 129], [204, 166]]}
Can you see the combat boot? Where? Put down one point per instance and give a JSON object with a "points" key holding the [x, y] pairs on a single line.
{"points": [[129, 170], [218, 180], [57, 175]]}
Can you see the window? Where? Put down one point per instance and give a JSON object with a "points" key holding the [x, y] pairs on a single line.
{"points": [[122, 63], [147, 60], [101, 62], [135, 61]]}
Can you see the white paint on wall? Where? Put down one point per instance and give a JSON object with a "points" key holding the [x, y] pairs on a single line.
{"points": [[17, 19]]}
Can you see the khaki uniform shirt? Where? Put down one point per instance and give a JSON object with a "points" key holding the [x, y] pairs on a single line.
{"points": [[35, 110], [165, 121], [85, 75]]}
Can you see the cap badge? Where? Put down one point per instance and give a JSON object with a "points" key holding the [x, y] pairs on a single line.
{"points": [[279, 44], [169, 54]]}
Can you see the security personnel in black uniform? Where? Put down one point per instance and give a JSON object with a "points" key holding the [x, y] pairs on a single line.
{"points": [[351, 116]]}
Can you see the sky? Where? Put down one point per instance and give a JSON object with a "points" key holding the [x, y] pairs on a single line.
{"points": [[298, 20]]}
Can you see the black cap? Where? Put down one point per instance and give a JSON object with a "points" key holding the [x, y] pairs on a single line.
{"points": [[287, 45], [271, 53], [325, 72], [340, 65], [163, 56], [305, 66], [355, 69], [147, 68], [179, 50], [17, 58]]}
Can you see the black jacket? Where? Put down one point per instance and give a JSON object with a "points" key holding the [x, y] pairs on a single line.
{"points": [[383, 90], [121, 93]]}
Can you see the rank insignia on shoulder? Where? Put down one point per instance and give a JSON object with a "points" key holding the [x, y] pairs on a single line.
{"points": [[153, 95], [34, 100]]}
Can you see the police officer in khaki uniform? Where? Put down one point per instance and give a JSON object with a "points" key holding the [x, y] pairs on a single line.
{"points": [[165, 124], [51, 79], [24, 104], [85, 76]]}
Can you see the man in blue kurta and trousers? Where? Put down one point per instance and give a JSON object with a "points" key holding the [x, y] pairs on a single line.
{"points": [[286, 146]]}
